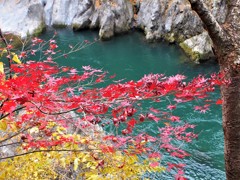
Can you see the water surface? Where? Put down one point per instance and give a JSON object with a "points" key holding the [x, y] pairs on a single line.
{"points": [[130, 57]]}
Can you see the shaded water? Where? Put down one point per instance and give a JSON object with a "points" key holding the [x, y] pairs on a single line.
{"points": [[130, 57]]}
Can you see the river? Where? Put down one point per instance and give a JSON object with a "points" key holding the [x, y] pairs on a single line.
{"points": [[129, 56]]}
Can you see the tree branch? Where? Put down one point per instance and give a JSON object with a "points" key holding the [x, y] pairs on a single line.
{"points": [[215, 31], [6, 115], [232, 24], [8, 52], [46, 150], [10, 144], [16, 134]]}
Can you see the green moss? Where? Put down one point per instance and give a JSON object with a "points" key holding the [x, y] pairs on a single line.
{"points": [[75, 27], [16, 41], [60, 26], [180, 38], [195, 56], [170, 37], [39, 30]]}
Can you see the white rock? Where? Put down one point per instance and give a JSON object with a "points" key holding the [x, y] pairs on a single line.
{"points": [[201, 45], [173, 20], [22, 18]]}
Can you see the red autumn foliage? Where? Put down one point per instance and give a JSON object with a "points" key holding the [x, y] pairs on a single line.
{"points": [[42, 91]]}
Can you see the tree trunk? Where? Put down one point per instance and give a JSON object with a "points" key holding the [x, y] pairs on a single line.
{"points": [[231, 127], [226, 41]]}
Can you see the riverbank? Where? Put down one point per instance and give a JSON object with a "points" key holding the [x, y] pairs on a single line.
{"points": [[173, 21]]}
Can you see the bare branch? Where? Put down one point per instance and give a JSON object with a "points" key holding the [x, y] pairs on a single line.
{"points": [[10, 144], [47, 150], [6, 115], [16, 134], [8, 52]]}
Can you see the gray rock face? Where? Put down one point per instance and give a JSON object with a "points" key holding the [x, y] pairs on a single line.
{"points": [[115, 17], [21, 18], [106, 24], [160, 19], [172, 20], [110, 17], [164, 18], [68, 12], [219, 9]]}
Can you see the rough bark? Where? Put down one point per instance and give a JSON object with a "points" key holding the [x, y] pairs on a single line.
{"points": [[214, 29], [226, 40], [231, 127]]}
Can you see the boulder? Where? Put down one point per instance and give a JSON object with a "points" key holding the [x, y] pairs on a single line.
{"points": [[110, 17], [69, 12], [172, 20], [168, 19], [175, 21], [106, 24], [22, 18], [94, 20], [198, 47]]}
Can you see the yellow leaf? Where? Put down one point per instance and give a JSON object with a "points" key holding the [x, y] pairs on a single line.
{"points": [[85, 158], [167, 124], [14, 127], [1, 68], [3, 51], [63, 162], [15, 59], [88, 164], [75, 164], [60, 130], [14, 76], [34, 130], [3, 125], [94, 177]]}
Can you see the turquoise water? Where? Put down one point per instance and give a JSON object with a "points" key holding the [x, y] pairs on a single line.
{"points": [[130, 57]]}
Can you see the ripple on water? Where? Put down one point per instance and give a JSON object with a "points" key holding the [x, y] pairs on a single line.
{"points": [[130, 57], [201, 171]]}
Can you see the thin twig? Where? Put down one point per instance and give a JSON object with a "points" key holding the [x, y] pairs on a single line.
{"points": [[10, 144], [8, 52], [16, 134], [6, 115], [46, 150]]}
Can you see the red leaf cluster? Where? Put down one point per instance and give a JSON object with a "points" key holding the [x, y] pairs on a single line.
{"points": [[42, 93]]}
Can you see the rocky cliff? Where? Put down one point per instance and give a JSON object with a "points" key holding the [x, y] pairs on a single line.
{"points": [[172, 20]]}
